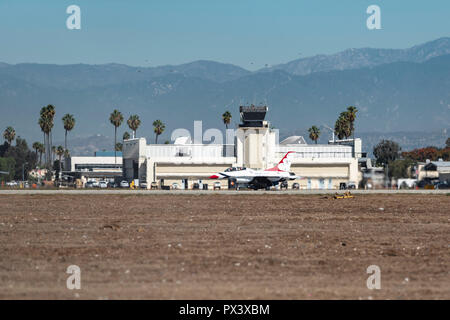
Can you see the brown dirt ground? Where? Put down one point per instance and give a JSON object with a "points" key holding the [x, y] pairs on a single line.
{"points": [[224, 246]]}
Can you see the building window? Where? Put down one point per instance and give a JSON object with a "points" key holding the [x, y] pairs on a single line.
{"points": [[321, 183], [98, 167]]}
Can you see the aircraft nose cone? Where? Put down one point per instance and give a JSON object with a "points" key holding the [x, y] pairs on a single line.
{"points": [[214, 176]]}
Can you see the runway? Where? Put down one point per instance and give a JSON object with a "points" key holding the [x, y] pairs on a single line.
{"points": [[223, 245], [210, 192]]}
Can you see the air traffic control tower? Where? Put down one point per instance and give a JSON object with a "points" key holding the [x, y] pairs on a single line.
{"points": [[255, 140]]}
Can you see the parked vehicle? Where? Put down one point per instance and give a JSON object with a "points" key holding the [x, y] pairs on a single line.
{"points": [[143, 185], [217, 185], [112, 184], [175, 186], [443, 185], [12, 184], [89, 184], [295, 186], [427, 183], [124, 184], [196, 186], [406, 183], [283, 185], [346, 186], [103, 185]]}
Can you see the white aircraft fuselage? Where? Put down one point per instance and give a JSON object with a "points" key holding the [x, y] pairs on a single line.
{"points": [[259, 179]]}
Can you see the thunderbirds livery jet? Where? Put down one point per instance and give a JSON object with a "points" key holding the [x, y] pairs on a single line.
{"points": [[260, 179]]}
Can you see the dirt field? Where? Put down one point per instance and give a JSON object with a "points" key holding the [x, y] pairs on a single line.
{"points": [[224, 247]]}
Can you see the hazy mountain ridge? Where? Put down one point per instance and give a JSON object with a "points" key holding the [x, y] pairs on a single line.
{"points": [[398, 96], [365, 57], [80, 76], [87, 146], [77, 76]]}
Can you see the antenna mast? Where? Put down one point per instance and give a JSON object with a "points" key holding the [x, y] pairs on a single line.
{"points": [[332, 131]]}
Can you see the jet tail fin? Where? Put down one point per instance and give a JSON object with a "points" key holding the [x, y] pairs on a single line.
{"points": [[284, 164]]}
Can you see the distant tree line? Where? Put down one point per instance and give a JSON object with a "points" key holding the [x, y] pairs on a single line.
{"points": [[428, 153], [388, 154], [16, 159]]}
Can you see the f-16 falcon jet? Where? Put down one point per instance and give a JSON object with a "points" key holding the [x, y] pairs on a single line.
{"points": [[259, 179]]}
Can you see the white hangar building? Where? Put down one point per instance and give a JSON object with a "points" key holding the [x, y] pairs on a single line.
{"points": [[321, 166]]}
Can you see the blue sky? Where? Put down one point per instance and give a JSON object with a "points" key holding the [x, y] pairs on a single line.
{"points": [[248, 33]]}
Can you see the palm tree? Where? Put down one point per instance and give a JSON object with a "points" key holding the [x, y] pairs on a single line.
{"points": [[9, 134], [66, 154], [53, 153], [158, 128], [314, 133], [69, 123], [41, 150], [342, 126], [35, 147], [47, 115], [116, 119], [134, 122], [347, 128], [351, 116], [43, 124], [338, 128], [226, 117], [126, 136], [60, 152]]}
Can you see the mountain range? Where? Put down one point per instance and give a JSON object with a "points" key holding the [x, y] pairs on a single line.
{"points": [[365, 57], [393, 89]]}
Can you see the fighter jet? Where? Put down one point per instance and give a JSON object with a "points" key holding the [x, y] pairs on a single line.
{"points": [[259, 179]]}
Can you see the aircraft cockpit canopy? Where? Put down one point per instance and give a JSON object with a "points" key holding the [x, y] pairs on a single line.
{"points": [[235, 169]]}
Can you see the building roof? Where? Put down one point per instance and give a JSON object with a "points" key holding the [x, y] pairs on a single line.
{"points": [[441, 166], [441, 163], [107, 153], [183, 140], [293, 140], [253, 116]]}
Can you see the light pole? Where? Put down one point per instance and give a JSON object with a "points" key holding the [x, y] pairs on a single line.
{"points": [[38, 171], [23, 172], [332, 131], [387, 175]]}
